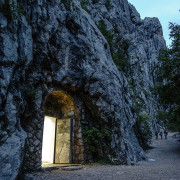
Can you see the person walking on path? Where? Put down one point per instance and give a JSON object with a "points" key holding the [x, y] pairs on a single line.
{"points": [[161, 134], [165, 134], [156, 133]]}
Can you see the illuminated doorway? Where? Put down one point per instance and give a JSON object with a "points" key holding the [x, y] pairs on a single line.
{"points": [[57, 141], [48, 140], [62, 134]]}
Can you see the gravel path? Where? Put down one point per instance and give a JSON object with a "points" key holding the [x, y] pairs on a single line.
{"points": [[166, 166]]}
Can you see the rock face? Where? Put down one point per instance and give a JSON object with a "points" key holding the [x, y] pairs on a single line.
{"points": [[70, 46]]}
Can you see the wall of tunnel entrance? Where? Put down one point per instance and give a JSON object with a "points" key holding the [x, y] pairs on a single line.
{"points": [[62, 137], [58, 105]]}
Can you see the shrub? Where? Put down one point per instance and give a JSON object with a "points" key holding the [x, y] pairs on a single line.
{"points": [[12, 10], [117, 46], [84, 6], [106, 33], [120, 59], [169, 77], [95, 139], [143, 131], [167, 118]]}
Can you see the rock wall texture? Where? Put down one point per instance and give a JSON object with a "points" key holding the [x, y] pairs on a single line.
{"points": [[70, 45]]}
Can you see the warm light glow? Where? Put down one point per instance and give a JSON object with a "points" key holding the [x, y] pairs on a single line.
{"points": [[48, 139]]}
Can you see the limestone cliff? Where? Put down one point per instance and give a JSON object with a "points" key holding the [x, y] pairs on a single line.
{"points": [[71, 46]]}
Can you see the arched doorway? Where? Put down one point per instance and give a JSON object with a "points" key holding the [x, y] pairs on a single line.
{"points": [[61, 122]]}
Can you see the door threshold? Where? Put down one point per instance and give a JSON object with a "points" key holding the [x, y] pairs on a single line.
{"points": [[59, 165]]}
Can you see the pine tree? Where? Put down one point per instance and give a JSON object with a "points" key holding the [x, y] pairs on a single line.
{"points": [[169, 77]]}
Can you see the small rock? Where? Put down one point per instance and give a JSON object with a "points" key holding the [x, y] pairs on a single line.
{"points": [[151, 160]]}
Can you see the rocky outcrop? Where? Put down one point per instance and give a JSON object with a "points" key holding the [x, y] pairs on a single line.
{"points": [[70, 46]]}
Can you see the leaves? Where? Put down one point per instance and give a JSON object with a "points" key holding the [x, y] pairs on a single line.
{"points": [[118, 46], [169, 75], [143, 131], [94, 137]]}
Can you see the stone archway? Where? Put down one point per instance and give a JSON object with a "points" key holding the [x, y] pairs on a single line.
{"points": [[58, 105], [62, 138]]}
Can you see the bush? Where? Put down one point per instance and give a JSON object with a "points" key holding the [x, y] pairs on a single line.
{"points": [[117, 46], [120, 59], [96, 140], [143, 131], [168, 120], [84, 5], [169, 78], [106, 33], [12, 10]]}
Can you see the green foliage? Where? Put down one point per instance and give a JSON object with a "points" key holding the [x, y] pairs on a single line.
{"points": [[169, 76], [168, 119], [12, 10], [161, 115], [131, 84], [143, 131], [106, 33], [173, 122], [120, 59], [84, 5], [142, 126], [94, 137], [139, 103], [143, 117], [75, 13], [16, 9], [104, 161], [117, 46]]}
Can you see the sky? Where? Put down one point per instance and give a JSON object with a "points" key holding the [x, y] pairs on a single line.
{"points": [[166, 10]]}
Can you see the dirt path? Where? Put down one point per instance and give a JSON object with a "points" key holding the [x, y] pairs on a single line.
{"points": [[166, 166]]}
